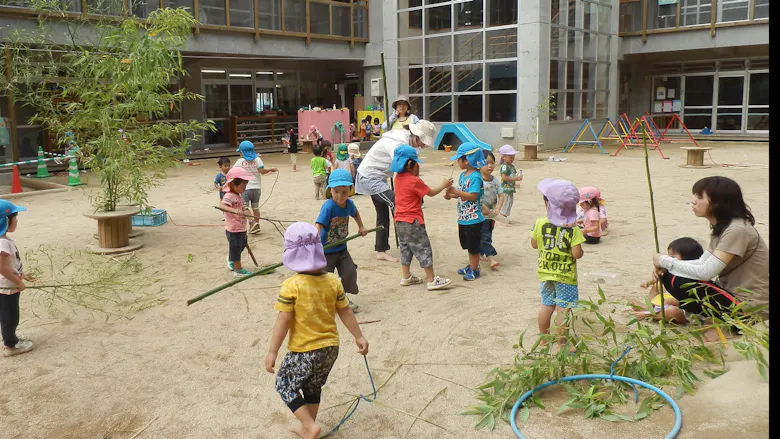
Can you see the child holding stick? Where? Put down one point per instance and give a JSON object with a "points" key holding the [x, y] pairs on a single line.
{"points": [[333, 226], [12, 279], [235, 219], [252, 163], [469, 192], [307, 304], [492, 200], [409, 222], [558, 241]]}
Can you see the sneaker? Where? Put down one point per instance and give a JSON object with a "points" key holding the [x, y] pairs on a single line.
{"points": [[471, 274], [412, 280], [353, 306], [438, 283], [254, 229], [229, 264], [241, 273], [463, 270], [21, 347]]}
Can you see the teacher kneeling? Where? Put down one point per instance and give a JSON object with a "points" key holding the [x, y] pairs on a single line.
{"points": [[374, 171]]}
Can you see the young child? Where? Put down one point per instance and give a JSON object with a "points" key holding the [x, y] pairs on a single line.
{"points": [[328, 155], [354, 154], [352, 132], [559, 242], [365, 128], [320, 167], [251, 163], [342, 159], [290, 140], [315, 135], [12, 279], [509, 177], [307, 305], [591, 214], [376, 129], [333, 225], [676, 306], [235, 221], [221, 178], [492, 200], [409, 222], [469, 192]]}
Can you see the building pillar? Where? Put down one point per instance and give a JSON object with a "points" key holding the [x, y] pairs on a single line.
{"points": [[533, 66]]}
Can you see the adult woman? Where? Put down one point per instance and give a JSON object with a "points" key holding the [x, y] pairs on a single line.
{"points": [[402, 116], [374, 171], [736, 253]]}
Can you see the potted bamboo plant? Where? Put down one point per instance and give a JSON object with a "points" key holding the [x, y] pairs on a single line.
{"points": [[542, 112]]}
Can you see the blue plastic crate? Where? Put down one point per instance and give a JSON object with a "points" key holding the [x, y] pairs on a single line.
{"points": [[157, 217]]}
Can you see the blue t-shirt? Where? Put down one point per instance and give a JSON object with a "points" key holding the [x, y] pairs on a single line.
{"points": [[335, 223], [470, 212], [220, 180]]}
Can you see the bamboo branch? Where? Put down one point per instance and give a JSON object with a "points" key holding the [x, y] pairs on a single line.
{"points": [[655, 225], [423, 409]]}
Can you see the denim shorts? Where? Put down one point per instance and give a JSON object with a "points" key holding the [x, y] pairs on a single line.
{"points": [[251, 198]]}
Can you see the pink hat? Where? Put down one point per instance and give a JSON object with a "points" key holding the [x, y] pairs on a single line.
{"points": [[588, 193], [562, 199], [507, 150], [303, 250], [234, 173]]}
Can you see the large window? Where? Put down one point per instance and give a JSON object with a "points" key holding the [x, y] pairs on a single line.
{"points": [[733, 10], [580, 57], [695, 12], [458, 60]]}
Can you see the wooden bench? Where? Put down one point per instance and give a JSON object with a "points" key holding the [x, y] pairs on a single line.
{"points": [[695, 156]]}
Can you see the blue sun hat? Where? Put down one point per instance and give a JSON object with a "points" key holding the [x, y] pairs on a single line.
{"points": [[339, 178], [7, 209], [247, 150], [401, 155], [473, 153]]}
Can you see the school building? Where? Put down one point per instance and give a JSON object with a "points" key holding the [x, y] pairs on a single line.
{"points": [[485, 63]]}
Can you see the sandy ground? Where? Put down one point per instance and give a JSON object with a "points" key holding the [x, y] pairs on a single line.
{"points": [[197, 372]]}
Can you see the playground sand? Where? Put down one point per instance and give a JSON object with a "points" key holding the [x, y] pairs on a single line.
{"points": [[197, 372]]}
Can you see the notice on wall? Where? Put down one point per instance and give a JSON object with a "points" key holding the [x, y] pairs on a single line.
{"points": [[670, 93], [667, 107], [667, 2], [660, 93], [658, 106], [677, 105]]}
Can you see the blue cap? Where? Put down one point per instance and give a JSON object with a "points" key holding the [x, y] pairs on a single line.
{"points": [[339, 178], [401, 155], [473, 153], [7, 209], [247, 150]]}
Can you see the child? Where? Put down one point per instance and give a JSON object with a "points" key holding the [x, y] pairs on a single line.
{"points": [[591, 214], [320, 167], [290, 140], [235, 219], [409, 222], [558, 241], [251, 163], [377, 128], [364, 128], [333, 225], [508, 178], [307, 304], [221, 178], [469, 192], [328, 155], [354, 154], [315, 135], [402, 115], [492, 200], [342, 159], [12, 279], [677, 308], [352, 132]]}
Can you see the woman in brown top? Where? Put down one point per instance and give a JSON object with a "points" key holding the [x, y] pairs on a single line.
{"points": [[736, 254]]}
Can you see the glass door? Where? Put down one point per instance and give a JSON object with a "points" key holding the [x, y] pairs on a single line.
{"points": [[698, 100], [731, 98], [264, 99], [758, 102]]}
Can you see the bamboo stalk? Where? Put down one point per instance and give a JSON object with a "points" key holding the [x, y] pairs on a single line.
{"points": [[267, 269], [423, 409], [659, 286], [387, 117]]}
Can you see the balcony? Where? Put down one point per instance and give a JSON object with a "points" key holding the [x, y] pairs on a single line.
{"points": [[339, 20]]}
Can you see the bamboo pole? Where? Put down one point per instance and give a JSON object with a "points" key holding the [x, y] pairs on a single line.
{"points": [[659, 286], [268, 269], [12, 125], [387, 117]]}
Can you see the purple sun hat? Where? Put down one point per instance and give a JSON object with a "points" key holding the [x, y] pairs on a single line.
{"points": [[303, 249], [562, 199]]}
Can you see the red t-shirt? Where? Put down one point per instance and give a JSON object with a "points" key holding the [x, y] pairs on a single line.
{"points": [[409, 192]]}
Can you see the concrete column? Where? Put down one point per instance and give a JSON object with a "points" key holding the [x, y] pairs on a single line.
{"points": [[390, 47], [533, 66], [614, 75]]}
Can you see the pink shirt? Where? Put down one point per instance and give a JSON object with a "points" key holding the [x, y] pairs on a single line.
{"points": [[592, 217], [233, 222]]}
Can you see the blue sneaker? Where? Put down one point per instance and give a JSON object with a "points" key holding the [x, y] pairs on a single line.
{"points": [[464, 270], [471, 274], [241, 273], [229, 264]]}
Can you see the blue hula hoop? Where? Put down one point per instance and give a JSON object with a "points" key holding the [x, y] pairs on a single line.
{"points": [[526, 395]]}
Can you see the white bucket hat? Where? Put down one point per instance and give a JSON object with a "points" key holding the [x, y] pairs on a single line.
{"points": [[425, 130]]}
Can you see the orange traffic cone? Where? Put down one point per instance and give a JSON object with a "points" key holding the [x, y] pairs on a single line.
{"points": [[16, 182]]}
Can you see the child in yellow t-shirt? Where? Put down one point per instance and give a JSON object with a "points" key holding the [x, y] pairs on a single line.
{"points": [[307, 305]]}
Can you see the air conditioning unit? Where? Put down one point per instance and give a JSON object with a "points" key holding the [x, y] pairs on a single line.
{"points": [[376, 87]]}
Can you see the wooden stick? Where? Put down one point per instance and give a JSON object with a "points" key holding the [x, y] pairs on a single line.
{"points": [[147, 426], [655, 226], [406, 413], [369, 321], [423, 409], [251, 255], [450, 381]]}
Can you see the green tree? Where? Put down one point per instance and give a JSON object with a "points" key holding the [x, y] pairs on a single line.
{"points": [[109, 82]]}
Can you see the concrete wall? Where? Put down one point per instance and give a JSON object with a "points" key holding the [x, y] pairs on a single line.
{"points": [[372, 63], [696, 40]]}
